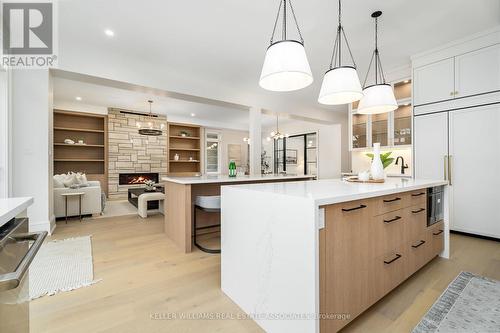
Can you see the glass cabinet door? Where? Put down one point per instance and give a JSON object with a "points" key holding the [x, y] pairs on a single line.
{"points": [[380, 131], [402, 125], [359, 138]]}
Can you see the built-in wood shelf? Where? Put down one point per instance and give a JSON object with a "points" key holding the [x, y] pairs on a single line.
{"points": [[75, 160], [78, 145], [184, 137], [91, 157], [78, 129], [184, 147]]}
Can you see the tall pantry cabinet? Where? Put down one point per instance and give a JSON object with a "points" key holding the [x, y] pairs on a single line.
{"points": [[457, 128]]}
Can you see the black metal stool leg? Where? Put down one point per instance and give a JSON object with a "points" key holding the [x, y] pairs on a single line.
{"points": [[204, 249]]}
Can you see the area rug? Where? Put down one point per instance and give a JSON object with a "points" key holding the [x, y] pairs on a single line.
{"points": [[61, 265], [471, 303]]}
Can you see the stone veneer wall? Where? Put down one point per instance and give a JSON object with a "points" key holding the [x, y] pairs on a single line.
{"points": [[128, 151]]}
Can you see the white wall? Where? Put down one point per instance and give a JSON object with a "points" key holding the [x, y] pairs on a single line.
{"points": [[4, 134], [329, 144], [360, 162], [31, 157]]}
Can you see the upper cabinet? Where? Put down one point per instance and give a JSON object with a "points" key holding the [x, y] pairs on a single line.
{"points": [[477, 72], [464, 70], [434, 82], [389, 129]]}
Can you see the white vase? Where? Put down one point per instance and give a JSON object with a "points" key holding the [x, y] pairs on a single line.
{"points": [[377, 168]]}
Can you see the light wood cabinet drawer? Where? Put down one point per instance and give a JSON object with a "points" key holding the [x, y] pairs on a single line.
{"points": [[436, 234], [418, 252], [389, 270], [418, 197], [389, 203], [416, 221], [386, 232]]}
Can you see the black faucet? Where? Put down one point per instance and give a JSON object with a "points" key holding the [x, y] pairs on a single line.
{"points": [[403, 165]]}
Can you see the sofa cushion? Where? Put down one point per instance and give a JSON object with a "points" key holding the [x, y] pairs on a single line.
{"points": [[59, 181]]}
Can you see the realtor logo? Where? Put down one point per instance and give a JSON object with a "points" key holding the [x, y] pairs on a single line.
{"points": [[28, 32]]}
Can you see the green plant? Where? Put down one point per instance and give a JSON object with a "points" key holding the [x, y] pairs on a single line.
{"points": [[386, 160]]}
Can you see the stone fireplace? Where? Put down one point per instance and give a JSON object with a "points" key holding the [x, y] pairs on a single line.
{"points": [[132, 153]]}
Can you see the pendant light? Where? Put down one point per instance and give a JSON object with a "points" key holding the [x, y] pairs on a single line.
{"points": [[379, 97], [150, 129], [285, 66], [276, 135], [341, 82]]}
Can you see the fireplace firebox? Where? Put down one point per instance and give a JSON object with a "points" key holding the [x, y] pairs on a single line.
{"points": [[137, 178]]}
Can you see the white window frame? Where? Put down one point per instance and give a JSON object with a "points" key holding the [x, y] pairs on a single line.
{"points": [[219, 157]]}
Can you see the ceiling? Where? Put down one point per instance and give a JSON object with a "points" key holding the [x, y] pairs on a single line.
{"points": [[215, 49], [90, 94]]}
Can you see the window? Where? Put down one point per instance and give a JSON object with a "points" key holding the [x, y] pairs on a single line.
{"points": [[212, 154]]}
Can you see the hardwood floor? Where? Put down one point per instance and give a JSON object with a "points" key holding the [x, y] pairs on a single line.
{"points": [[144, 276]]}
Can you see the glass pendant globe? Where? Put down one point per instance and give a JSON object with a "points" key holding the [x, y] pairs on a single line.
{"points": [[340, 86], [285, 67], [378, 98]]}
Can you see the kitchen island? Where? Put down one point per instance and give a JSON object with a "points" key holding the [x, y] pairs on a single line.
{"points": [[312, 256], [181, 193]]}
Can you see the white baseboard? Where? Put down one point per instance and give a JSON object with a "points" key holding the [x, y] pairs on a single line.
{"points": [[48, 226]]}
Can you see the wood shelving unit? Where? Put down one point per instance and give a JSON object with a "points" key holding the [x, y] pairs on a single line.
{"points": [[91, 157], [186, 146]]}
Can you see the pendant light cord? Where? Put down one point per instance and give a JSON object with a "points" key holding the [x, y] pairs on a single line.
{"points": [[337, 46], [378, 63], [284, 23]]}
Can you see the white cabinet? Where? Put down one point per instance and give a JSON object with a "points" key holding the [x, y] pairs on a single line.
{"points": [[434, 82], [431, 146], [474, 165], [477, 72]]}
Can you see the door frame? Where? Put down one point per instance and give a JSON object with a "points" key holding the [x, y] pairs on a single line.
{"points": [[5, 141]]}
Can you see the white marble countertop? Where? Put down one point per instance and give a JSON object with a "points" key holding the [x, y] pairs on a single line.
{"points": [[207, 179], [331, 191], [11, 207]]}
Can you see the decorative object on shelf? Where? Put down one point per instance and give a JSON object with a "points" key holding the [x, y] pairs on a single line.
{"points": [[275, 135], [232, 168], [191, 158], [150, 186], [285, 66], [379, 97], [150, 130], [377, 168], [69, 142], [80, 142], [176, 157], [184, 134], [341, 82], [385, 158]]}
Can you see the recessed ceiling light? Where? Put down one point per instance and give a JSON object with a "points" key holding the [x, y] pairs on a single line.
{"points": [[78, 98], [109, 32], [193, 114]]}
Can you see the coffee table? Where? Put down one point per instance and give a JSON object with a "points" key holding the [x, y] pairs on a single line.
{"points": [[134, 193]]}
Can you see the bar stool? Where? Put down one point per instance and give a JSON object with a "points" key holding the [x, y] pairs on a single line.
{"points": [[209, 204]]}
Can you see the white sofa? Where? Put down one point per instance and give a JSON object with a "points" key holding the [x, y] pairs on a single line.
{"points": [[91, 200]]}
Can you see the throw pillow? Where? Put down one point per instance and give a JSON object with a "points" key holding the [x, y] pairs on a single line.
{"points": [[81, 178], [58, 181], [70, 180]]}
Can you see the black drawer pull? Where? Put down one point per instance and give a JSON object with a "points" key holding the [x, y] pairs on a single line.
{"points": [[392, 200], [417, 194], [422, 242], [392, 260], [437, 233], [355, 208], [392, 220], [418, 211]]}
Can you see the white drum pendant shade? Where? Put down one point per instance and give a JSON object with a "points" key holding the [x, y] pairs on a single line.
{"points": [[340, 86], [377, 99], [285, 67]]}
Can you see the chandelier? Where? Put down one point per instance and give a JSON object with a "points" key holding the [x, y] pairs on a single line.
{"points": [[150, 128], [276, 135]]}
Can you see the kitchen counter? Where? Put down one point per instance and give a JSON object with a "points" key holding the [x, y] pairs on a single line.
{"points": [[213, 179], [181, 193], [12, 207], [288, 248]]}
